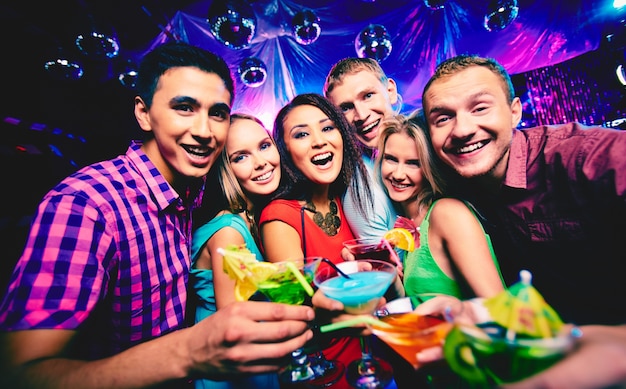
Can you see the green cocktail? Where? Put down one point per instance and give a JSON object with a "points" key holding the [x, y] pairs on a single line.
{"points": [[484, 356], [283, 286]]}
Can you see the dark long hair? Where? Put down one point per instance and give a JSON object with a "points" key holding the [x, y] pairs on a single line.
{"points": [[353, 177]]}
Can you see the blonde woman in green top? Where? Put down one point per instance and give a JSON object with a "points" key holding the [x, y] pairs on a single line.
{"points": [[454, 256]]}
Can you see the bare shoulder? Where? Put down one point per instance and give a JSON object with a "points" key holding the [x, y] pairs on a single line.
{"points": [[450, 208]]}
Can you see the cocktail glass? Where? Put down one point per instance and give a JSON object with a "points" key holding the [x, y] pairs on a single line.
{"points": [[408, 333], [368, 248], [484, 356], [366, 282], [283, 286], [288, 285], [519, 335]]}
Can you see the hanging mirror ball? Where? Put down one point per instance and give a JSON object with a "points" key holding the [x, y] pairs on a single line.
{"points": [[252, 72], [232, 22], [435, 4], [500, 14], [306, 27], [98, 45], [63, 69], [127, 75], [373, 42], [128, 78]]}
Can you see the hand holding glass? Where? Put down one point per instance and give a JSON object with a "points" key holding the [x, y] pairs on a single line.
{"points": [[360, 292]]}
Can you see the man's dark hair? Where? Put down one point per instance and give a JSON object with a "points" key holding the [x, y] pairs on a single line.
{"points": [[178, 54]]}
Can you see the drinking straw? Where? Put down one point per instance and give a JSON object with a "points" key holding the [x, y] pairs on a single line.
{"points": [[328, 261], [392, 253], [308, 289], [364, 319]]}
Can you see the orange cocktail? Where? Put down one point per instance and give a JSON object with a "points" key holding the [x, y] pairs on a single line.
{"points": [[410, 333]]}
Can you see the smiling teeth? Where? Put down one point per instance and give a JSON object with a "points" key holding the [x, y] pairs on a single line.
{"points": [[368, 128], [263, 177], [399, 186], [321, 157], [200, 151], [470, 148]]}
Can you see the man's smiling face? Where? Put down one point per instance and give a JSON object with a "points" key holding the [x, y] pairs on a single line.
{"points": [[471, 122]]}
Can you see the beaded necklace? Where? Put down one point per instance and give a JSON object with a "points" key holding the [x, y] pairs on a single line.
{"points": [[330, 222]]}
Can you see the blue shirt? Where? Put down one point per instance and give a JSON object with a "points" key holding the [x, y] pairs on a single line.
{"points": [[381, 216], [201, 281]]}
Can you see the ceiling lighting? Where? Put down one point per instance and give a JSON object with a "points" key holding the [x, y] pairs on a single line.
{"points": [[500, 14], [373, 42], [306, 27], [98, 45], [252, 72], [64, 69]]}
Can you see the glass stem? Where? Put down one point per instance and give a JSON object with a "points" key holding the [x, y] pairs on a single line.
{"points": [[366, 351]]}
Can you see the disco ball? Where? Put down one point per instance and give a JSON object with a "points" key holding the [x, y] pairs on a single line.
{"points": [[64, 69], [620, 71], [373, 42], [232, 22], [500, 14], [435, 4], [98, 45], [252, 72], [306, 27], [128, 76]]}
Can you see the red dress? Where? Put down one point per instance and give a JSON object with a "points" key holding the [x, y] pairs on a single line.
{"points": [[316, 243]]}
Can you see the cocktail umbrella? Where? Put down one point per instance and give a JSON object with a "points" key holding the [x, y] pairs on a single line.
{"points": [[522, 310], [236, 261]]}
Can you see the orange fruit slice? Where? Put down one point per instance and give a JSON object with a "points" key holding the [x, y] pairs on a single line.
{"points": [[400, 238]]}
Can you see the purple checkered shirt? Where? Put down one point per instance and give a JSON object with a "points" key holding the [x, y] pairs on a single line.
{"points": [[108, 252]]}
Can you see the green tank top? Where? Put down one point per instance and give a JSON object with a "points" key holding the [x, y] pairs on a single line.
{"points": [[423, 275]]}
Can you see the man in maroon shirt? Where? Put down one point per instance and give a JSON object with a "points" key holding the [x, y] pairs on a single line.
{"points": [[554, 200]]}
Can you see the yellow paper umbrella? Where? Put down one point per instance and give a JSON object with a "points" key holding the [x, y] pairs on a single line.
{"points": [[522, 310], [236, 261], [242, 266]]}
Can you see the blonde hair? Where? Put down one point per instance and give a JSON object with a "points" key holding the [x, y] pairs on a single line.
{"points": [[415, 128], [233, 192]]}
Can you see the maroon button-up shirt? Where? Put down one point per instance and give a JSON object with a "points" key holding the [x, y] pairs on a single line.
{"points": [[561, 213]]}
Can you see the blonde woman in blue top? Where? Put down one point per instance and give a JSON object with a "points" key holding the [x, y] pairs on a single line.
{"points": [[248, 172], [454, 256]]}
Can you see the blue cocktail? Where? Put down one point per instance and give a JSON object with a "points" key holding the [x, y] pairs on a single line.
{"points": [[360, 288]]}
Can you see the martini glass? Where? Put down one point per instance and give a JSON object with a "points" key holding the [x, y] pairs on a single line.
{"points": [[483, 355], [291, 284], [360, 288], [368, 248], [408, 333]]}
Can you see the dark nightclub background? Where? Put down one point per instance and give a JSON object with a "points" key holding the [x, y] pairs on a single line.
{"points": [[563, 55]]}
